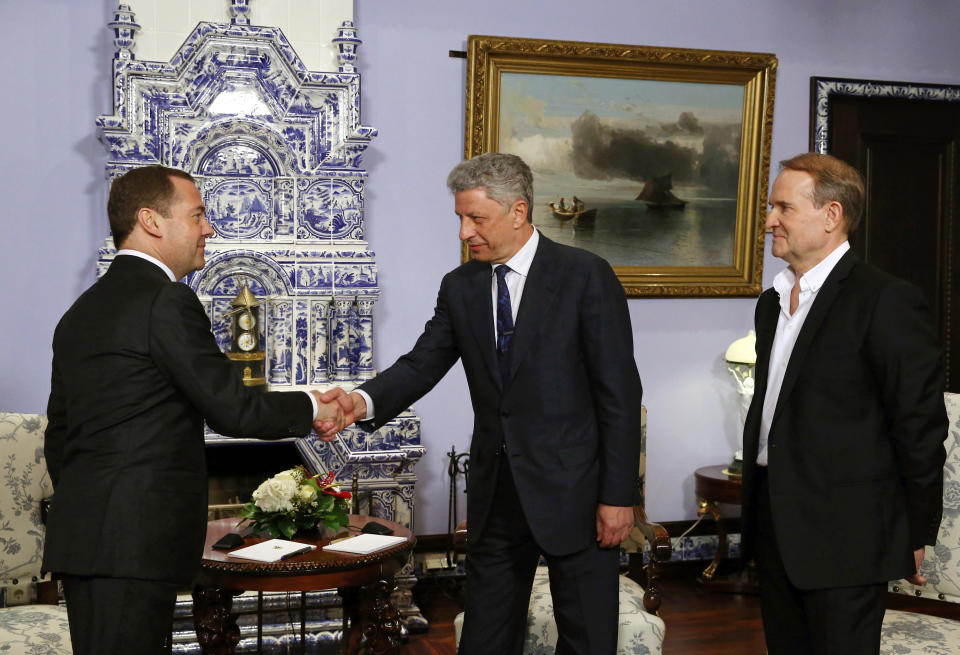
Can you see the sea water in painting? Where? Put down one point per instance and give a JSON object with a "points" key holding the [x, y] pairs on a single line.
{"points": [[640, 172]]}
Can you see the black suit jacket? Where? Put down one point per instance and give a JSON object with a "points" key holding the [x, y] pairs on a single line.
{"points": [[856, 444], [569, 411], [136, 371]]}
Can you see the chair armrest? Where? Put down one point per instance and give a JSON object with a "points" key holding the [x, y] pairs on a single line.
{"points": [[655, 534], [660, 551]]}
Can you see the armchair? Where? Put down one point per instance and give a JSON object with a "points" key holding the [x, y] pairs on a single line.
{"points": [[911, 633], [38, 629]]}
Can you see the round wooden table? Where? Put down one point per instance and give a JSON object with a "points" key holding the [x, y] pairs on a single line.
{"points": [[364, 582], [713, 487]]}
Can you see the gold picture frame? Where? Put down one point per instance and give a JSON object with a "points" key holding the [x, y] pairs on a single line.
{"points": [[636, 118]]}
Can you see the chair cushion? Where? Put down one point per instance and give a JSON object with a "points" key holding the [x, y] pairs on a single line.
{"points": [[640, 633], [34, 630], [908, 633], [23, 484]]}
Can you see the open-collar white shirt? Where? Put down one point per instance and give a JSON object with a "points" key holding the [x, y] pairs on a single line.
{"points": [[788, 328]]}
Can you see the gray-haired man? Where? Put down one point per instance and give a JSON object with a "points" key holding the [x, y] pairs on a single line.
{"points": [[547, 347]]}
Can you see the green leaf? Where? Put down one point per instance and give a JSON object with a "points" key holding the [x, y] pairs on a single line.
{"points": [[287, 526]]}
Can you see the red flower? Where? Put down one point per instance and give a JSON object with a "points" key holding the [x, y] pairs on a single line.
{"points": [[326, 486]]}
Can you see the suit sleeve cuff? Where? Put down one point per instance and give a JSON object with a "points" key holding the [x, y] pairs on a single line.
{"points": [[369, 401], [313, 403]]}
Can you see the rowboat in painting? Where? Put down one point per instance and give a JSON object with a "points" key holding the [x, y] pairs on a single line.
{"points": [[578, 210]]}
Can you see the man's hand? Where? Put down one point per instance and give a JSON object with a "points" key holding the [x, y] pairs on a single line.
{"points": [[336, 410], [353, 405], [614, 524], [330, 418], [916, 578]]}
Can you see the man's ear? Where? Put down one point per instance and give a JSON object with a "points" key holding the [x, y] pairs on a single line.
{"points": [[834, 218], [518, 213], [150, 221]]}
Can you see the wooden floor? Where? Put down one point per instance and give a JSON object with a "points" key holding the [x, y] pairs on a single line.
{"points": [[698, 621]]}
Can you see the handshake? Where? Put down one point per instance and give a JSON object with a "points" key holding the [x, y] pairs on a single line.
{"points": [[336, 409]]}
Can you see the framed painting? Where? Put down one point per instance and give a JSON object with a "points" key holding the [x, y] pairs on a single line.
{"points": [[656, 159]]}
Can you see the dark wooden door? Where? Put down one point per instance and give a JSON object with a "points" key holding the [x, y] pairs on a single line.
{"points": [[907, 152]]}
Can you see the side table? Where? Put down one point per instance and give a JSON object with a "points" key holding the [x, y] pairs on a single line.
{"points": [[364, 582], [712, 487]]}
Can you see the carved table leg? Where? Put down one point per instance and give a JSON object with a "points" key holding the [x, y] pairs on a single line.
{"points": [[383, 629], [711, 508], [216, 625], [376, 625]]}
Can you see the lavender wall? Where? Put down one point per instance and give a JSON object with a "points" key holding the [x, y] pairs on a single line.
{"points": [[56, 79]]}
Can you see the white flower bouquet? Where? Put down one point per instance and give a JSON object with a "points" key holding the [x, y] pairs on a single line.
{"points": [[294, 500]]}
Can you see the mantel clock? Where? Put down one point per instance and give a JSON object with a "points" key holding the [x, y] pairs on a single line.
{"points": [[245, 350]]}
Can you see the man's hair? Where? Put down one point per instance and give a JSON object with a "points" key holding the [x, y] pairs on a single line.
{"points": [[505, 179], [833, 180], [150, 187]]}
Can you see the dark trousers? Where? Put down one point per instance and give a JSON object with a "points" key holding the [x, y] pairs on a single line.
{"points": [[500, 568], [838, 620], [119, 615]]}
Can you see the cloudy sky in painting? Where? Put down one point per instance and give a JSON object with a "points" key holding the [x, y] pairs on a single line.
{"points": [[606, 129]]}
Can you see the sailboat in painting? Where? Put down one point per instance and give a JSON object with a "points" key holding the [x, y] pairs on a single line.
{"points": [[658, 195]]}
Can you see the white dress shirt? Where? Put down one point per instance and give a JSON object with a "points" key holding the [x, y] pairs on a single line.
{"points": [[515, 278], [152, 260], [166, 269], [788, 328]]}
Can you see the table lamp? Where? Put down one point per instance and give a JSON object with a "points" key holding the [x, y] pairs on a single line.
{"points": [[741, 357]]}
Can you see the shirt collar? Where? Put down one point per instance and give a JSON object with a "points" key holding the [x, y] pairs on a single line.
{"points": [[813, 279], [523, 258], [152, 260]]}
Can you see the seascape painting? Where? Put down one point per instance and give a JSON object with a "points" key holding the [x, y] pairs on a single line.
{"points": [[640, 172], [656, 159]]}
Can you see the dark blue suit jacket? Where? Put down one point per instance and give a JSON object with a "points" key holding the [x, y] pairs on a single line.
{"points": [[136, 371], [569, 411]]}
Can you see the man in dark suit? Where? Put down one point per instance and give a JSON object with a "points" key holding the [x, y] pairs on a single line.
{"points": [[544, 335], [136, 371], [843, 443]]}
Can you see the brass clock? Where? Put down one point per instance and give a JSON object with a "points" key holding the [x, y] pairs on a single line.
{"points": [[245, 350]]}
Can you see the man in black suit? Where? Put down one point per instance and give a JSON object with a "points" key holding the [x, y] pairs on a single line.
{"points": [[544, 335], [843, 443], [136, 371]]}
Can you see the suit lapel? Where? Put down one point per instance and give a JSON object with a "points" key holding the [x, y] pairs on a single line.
{"points": [[479, 300], [538, 292], [768, 313], [811, 325]]}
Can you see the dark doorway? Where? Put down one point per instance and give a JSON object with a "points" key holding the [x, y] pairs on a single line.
{"points": [[907, 152]]}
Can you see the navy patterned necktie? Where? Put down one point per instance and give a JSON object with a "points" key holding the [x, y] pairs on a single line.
{"points": [[504, 321]]}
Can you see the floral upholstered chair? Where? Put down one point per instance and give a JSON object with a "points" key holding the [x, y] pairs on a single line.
{"points": [[641, 630], [37, 629], [910, 633]]}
